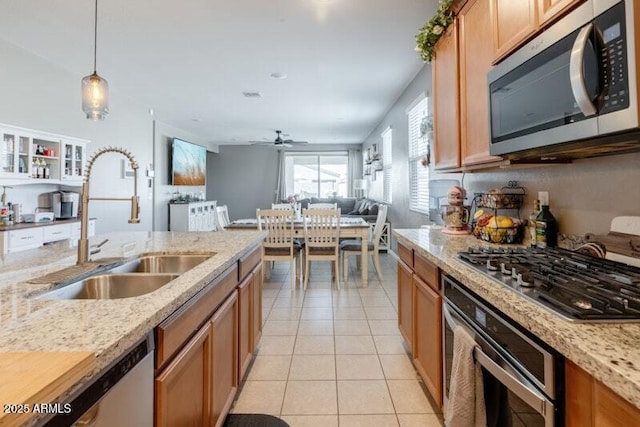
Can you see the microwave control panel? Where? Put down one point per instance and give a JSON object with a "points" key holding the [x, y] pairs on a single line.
{"points": [[612, 32]]}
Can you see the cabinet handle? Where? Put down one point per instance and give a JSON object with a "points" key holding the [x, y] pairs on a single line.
{"points": [[26, 237]]}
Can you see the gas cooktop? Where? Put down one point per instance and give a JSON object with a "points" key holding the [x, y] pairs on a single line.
{"points": [[577, 287]]}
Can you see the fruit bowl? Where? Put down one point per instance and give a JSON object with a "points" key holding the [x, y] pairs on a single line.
{"points": [[498, 229]]}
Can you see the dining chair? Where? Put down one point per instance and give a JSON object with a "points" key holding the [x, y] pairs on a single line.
{"points": [[280, 244], [321, 239], [222, 215], [354, 247], [322, 206]]}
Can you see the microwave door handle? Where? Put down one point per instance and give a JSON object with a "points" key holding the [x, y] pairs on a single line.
{"points": [[515, 385], [576, 72]]}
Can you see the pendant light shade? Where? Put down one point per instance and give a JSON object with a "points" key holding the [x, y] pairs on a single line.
{"points": [[95, 97], [95, 89]]}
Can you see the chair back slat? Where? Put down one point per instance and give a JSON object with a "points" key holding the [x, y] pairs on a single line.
{"points": [[378, 228], [279, 224], [321, 227]]}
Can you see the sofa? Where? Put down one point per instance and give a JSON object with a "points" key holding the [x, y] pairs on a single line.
{"points": [[367, 209]]}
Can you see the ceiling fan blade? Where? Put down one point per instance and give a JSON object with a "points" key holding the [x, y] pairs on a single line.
{"points": [[290, 141], [261, 142]]}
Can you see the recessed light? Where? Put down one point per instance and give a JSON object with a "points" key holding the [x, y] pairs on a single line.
{"points": [[252, 94], [279, 76]]}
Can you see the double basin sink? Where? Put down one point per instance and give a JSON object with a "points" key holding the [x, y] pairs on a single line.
{"points": [[133, 278]]}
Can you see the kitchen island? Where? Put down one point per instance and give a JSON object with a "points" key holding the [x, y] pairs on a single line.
{"points": [[105, 328], [609, 352]]}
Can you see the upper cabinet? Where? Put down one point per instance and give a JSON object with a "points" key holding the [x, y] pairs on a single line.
{"points": [[446, 101], [476, 56], [516, 21], [29, 156]]}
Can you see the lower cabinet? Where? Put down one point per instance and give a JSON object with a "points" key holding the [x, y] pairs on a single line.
{"points": [[427, 337], [591, 403], [183, 389], [420, 317], [204, 348], [405, 302], [224, 365]]}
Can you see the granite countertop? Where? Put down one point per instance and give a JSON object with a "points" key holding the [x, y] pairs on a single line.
{"points": [[609, 352], [107, 328]]}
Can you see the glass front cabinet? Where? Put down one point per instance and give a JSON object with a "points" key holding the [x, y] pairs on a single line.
{"points": [[32, 155]]}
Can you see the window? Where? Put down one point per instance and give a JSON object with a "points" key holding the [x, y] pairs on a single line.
{"points": [[317, 174], [387, 163], [420, 133]]}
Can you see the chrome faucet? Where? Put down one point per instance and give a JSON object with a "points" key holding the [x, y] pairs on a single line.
{"points": [[83, 243]]}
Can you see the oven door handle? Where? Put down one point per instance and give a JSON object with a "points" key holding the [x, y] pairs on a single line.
{"points": [[576, 72], [534, 399]]}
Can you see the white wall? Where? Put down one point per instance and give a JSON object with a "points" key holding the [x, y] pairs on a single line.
{"points": [[163, 190]]}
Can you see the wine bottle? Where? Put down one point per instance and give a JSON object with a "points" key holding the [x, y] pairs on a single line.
{"points": [[531, 223], [546, 229]]}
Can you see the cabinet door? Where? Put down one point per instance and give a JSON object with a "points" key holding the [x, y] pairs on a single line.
{"points": [[514, 21], [15, 154], [427, 337], [256, 306], [224, 351], [245, 347], [446, 98], [183, 389], [476, 56], [549, 10], [578, 396], [405, 306]]}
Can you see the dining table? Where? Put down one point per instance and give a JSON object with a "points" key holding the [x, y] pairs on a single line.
{"points": [[353, 228]]}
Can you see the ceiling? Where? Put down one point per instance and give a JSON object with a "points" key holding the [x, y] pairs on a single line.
{"points": [[346, 61]]}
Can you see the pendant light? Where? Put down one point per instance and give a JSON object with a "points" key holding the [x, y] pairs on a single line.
{"points": [[95, 89]]}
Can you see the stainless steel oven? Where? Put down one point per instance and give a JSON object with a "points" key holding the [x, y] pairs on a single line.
{"points": [[523, 378], [572, 91]]}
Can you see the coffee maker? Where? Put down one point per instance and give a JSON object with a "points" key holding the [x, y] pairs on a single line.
{"points": [[65, 204], [455, 215]]}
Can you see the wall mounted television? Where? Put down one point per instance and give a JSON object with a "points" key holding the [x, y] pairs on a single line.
{"points": [[188, 163]]}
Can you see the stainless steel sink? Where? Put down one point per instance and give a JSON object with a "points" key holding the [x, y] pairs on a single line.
{"points": [[164, 263], [111, 286], [134, 278]]}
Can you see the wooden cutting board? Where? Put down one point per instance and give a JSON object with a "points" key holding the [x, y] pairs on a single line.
{"points": [[30, 378]]}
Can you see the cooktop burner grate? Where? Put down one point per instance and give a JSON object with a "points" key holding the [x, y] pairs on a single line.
{"points": [[576, 286]]}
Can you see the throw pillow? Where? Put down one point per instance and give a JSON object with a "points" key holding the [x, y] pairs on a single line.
{"points": [[364, 206], [373, 210], [354, 213], [365, 212]]}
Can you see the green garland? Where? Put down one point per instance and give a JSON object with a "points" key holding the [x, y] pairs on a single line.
{"points": [[429, 35]]}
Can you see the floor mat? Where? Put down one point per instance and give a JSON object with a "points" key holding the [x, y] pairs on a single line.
{"points": [[253, 420]]}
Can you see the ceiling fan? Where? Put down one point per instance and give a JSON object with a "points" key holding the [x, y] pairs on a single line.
{"points": [[278, 142]]}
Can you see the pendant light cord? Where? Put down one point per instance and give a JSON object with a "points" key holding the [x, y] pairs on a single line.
{"points": [[95, 37]]}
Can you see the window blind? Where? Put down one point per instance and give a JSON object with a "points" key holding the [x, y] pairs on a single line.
{"points": [[418, 150], [387, 162]]}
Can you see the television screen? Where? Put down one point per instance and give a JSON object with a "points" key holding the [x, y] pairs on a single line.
{"points": [[188, 163]]}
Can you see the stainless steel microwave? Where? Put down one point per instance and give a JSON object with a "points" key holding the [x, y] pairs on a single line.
{"points": [[572, 91]]}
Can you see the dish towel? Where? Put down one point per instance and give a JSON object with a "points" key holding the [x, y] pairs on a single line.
{"points": [[465, 407]]}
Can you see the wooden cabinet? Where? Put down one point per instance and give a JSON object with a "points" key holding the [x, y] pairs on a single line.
{"points": [[591, 403], [245, 340], [183, 389], [256, 306], [405, 298], [514, 21], [549, 10], [476, 56], [517, 21], [427, 336], [420, 316], [224, 359], [446, 101]]}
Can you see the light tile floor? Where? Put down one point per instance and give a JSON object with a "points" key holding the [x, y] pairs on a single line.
{"points": [[332, 357]]}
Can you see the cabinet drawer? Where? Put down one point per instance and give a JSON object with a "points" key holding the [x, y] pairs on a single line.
{"points": [[248, 262], [176, 329], [405, 254], [54, 233], [25, 238], [427, 271]]}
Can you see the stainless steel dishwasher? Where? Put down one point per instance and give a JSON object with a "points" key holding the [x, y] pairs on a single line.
{"points": [[122, 395]]}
